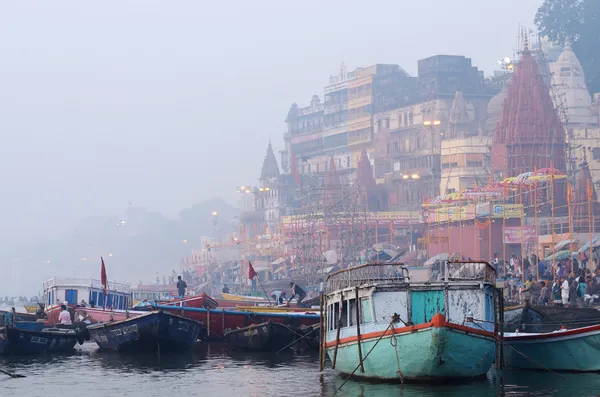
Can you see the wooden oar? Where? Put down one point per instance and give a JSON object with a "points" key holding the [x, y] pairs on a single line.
{"points": [[11, 374]]}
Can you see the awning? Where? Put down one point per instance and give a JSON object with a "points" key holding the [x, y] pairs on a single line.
{"points": [[278, 261]]}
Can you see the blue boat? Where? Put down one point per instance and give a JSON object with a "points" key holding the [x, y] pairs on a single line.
{"points": [[573, 350], [33, 340], [149, 332], [380, 325]]}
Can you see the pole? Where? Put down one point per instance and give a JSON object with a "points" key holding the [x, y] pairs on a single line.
{"points": [[322, 333], [552, 221], [569, 197], [590, 224], [537, 236], [263, 288], [360, 356], [503, 226]]}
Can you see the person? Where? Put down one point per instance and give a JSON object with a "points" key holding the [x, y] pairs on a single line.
{"points": [[64, 318], [225, 289], [543, 299], [92, 304], [181, 286], [581, 291], [297, 291], [564, 291], [321, 287], [556, 298], [83, 304], [278, 297]]}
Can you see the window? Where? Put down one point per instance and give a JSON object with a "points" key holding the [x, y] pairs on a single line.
{"points": [[326, 165], [348, 162], [411, 118], [596, 153], [365, 308]]}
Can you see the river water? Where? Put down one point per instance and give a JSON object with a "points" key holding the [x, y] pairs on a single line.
{"points": [[216, 371]]}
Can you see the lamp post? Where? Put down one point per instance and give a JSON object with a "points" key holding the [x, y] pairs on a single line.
{"points": [[429, 124]]}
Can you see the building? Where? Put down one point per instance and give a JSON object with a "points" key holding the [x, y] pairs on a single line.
{"points": [[465, 163], [529, 134], [572, 95], [304, 137]]}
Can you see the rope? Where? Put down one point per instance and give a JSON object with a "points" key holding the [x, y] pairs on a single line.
{"points": [[394, 319], [394, 344]]}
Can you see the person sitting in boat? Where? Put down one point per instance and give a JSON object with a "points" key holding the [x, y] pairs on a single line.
{"points": [[64, 318], [92, 304], [297, 291], [278, 297], [225, 289], [82, 303]]}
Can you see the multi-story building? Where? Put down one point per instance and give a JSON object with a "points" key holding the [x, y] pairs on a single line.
{"points": [[465, 163]]}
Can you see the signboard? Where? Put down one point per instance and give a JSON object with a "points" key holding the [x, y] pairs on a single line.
{"points": [[445, 214], [498, 210], [519, 234]]}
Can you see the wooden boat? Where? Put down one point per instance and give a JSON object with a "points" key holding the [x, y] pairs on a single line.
{"points": [[148, 332], [275, 309], [98, 315], [574, 349], [29, 340], [267, 336], [32, 309], [542, 319], [73, 290], [246, 298], [413, 331], [218, 321], [5, 314]]}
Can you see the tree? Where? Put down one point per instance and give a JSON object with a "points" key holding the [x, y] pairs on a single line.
{"points": [[579, 21]]}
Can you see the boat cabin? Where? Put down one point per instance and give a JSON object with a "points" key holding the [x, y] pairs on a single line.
{"points": [[383, 293], [73, 290]]}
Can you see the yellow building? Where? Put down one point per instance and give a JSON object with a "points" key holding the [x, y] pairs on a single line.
{"points": [[464, 163]]}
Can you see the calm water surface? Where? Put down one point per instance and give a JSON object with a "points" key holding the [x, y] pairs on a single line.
{"points": [[215, 371]]}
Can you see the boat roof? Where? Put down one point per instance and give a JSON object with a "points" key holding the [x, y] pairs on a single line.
{"points": [[71, 282], [397, 273]]}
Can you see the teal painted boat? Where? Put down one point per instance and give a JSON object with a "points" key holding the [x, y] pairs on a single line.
{"points": [[576, 350], [411, 331]]}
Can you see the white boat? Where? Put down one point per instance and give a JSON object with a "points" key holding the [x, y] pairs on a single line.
{"points": [[58, 290]]}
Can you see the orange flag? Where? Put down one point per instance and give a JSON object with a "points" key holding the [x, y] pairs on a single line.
{"points": [[569, 194], [589, 189]]}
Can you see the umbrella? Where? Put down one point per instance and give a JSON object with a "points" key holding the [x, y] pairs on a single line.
{"points": [[439, 257], [565, 254]]}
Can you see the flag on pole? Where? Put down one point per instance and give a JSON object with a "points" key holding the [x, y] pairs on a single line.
{"points": [[569, 194], [251, 271], [103, 280], [589, 189]]}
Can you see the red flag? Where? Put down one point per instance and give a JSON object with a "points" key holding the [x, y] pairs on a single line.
{"points": [[251, 272], [103, 280]]}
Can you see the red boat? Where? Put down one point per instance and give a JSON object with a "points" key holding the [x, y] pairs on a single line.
{"points": [[218, 321]]}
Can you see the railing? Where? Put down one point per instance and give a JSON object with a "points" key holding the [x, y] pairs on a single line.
{"points": [[469, 270], [85, 283], [367, 274]]}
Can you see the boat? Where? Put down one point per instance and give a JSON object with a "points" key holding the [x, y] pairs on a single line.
{"points": [[148, 332], [95, 315], [219, 321], [25, 339], [276, 309], [380, 325], [543, 319], [268, 336], [57, 291], [5, 314], [575, 350], [243, 298], [32, 309]]}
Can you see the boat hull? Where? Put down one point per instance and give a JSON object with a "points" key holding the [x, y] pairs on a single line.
{"points": [[95, 315], [15, 341], [217, 321], [427, 354], [147, 333], [570, 350], [267, 336]]}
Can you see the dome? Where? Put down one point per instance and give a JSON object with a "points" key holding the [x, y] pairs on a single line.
{"points": [[494, 109]]}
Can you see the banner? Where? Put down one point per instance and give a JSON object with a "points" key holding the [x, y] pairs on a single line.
{"points": [[519, 234]]}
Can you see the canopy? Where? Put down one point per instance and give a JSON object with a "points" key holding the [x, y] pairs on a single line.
{"points": [[440, 257], [561, 255], [595, 244], [563, 244]]}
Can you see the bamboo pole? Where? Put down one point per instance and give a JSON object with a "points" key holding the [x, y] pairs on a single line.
{"points": [[537, 235], [521, 213], [569, 219], [502, 235], [360, 356], [552, 221], [321, 326], [590, 224]]}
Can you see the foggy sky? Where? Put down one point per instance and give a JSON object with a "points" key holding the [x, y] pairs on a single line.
{"points": [[167, 103]]}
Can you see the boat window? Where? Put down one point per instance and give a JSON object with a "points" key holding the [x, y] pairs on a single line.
{"points": [[336, 315], [365, 308], [344, 314], [352, 312]]}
